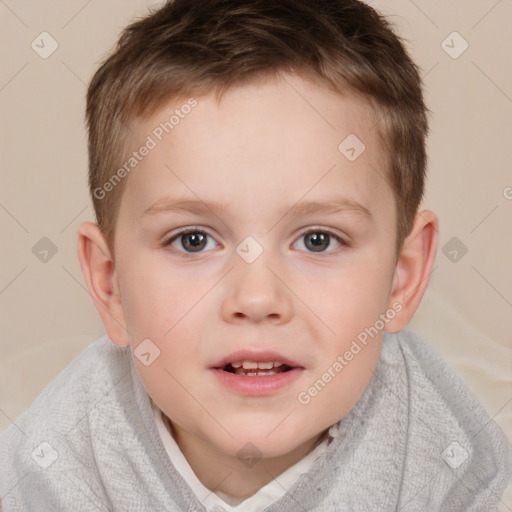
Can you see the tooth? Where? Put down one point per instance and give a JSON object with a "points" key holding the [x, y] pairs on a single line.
{"points": [[237, 364], [241, 372], [277, 364], [249, 365], [265, 365]]}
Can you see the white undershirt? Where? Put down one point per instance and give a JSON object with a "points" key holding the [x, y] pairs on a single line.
{"points": [[216, 501]]}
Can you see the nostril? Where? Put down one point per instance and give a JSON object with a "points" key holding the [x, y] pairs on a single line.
{"points": [[271, 316]]}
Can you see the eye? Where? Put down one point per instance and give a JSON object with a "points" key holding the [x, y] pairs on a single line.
{"points": [[192, 241], [319, 241]]}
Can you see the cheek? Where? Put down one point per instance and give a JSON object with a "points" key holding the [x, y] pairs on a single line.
{"points": [[355, 316], [154, 300], [350, 299], [161, 305], [173, 377], [351, 307]]}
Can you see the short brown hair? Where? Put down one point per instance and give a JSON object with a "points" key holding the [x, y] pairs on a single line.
{"points": [[199, 46]]}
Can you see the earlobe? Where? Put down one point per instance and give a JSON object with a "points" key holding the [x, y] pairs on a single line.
{"points": [[101, 278], [413, 269]]}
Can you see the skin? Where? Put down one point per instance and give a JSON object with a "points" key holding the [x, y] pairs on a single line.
{"points": [[260, 150]]}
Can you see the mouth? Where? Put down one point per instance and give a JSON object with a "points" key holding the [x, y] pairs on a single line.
{"points": [[256, 373], [256, 368]]}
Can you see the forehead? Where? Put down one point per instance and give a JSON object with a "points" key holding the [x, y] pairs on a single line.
{"points": [[264, 144]]}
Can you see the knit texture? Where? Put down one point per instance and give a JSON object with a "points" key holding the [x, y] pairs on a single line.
{"points": [[416, 441]]}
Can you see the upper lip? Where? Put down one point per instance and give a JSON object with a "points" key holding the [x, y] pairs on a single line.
{"points": [[255, 355]]}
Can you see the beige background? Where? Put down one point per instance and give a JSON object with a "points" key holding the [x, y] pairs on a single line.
{"points": [[47, 316]]}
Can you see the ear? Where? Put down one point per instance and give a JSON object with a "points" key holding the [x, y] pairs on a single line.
{"points": [[100, 275], [413, 269]]}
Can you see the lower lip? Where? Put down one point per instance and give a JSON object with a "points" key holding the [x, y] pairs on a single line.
{"points": [[257, 386]]}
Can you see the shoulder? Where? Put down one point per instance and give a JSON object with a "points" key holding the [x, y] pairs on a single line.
{"points": [[53, 431], [89, 376], [449, 430]]}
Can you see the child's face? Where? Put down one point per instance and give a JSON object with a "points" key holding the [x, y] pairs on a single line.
{"points": [[248, 167]]}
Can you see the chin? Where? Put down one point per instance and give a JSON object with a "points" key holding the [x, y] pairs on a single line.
{"points": [[263, 441]]}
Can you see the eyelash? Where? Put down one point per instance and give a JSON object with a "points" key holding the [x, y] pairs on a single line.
{"points": [[169, 240]]}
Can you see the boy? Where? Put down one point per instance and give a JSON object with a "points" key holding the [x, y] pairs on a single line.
{"points": [[256, 170]]}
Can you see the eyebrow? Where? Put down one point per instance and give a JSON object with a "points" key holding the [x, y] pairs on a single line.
{"points": [[302, 208]]}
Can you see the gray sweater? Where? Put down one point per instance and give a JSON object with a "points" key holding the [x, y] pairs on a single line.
{"points": [[417, 440]]}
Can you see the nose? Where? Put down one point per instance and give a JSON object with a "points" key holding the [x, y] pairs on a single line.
{"points": [[256, 294]]}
